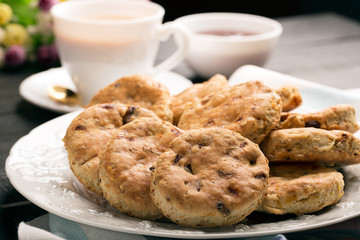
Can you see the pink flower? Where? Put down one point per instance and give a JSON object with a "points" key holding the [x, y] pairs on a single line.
{"points": [[46, 5], [15, 55], [47, 55]]}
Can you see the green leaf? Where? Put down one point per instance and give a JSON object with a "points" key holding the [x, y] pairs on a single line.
{"points": [[24, 12], [10, 2]]}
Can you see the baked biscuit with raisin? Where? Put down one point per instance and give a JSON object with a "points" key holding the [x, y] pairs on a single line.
{"points": [[312, 145], [88, 133], [290, 97], [197, 91], [301, 188], [209, 177], [251, 109], [338, 117], [126, 164], [140, 90]]}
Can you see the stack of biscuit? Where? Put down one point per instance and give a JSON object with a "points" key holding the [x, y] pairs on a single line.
{"points": [[212, 154]]}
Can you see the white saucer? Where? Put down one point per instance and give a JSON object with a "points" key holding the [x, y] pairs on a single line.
{"points": [[34, 88]]}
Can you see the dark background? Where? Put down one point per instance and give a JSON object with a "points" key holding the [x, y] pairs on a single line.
{"points": [[268, 8]]}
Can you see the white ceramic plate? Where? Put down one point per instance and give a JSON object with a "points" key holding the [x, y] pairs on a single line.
{"points": [[34, 88], [38, 168]]}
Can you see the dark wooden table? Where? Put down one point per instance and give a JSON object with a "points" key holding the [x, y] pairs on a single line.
{"points": [[17, 118], [323, 48]]}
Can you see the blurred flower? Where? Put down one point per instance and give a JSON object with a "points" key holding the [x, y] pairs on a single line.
{"points": [[32, 29], [46, 5], [26, 33], [44, 23], [5, 13], [15, 55], [15, 34], [2, 57], [47, 55], [2, 35]]}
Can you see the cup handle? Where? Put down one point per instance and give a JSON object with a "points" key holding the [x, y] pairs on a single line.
{"points": [[182, 42]]}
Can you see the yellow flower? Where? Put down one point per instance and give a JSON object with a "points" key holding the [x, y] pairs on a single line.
{"points": [[5, 13], [15, 34], [2, 34]]}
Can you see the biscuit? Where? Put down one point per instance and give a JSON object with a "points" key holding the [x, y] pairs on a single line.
{"points": [[88, 133], [338, 117], [301, 188], [140, 90], [251, 109], [312, 145], [290, 97], [197, 91], [209, 177], [126, 164]]}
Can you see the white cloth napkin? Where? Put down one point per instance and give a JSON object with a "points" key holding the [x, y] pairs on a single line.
{"points": [[37, 229], [28, 232], [53, 227]]}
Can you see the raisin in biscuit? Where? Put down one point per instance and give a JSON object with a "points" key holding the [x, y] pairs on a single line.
{"points": [[197, 91], [209, 177], [251, 109], [338, 117], [90, 131], [140, 90], [126, 164], [312, 145], [290, 97], [301, 188]]}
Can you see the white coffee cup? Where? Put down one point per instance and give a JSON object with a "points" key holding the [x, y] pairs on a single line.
{"points": [[221, 42], [100, 41]]}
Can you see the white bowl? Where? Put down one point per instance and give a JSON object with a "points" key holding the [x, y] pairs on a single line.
{"points": [[211, 53]]}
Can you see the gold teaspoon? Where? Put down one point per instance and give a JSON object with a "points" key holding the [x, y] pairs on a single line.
{"points": [[63, 95]]}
